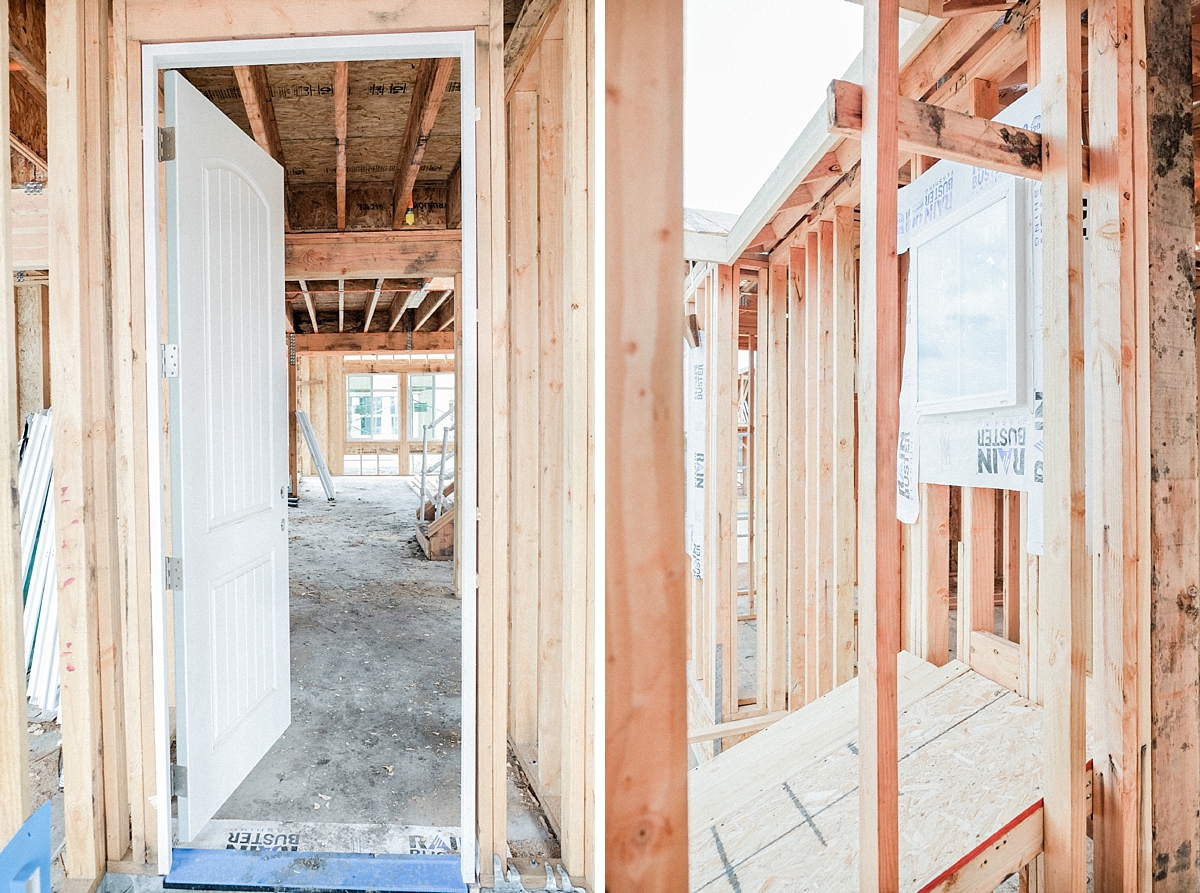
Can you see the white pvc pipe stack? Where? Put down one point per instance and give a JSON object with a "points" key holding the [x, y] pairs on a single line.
{"points": [[35, 482]]}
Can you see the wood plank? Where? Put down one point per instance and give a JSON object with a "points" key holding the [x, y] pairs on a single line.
{"points": [[944, 133], [845, 511], [312, 310], [373, 304], [977, 573], [341, 97], [341, 305], [550, 191], [75, 237], [777, 482], [879, 394], [995, 657], [255, 86], [1013, 559], [814, 667], [433, 77], [645, 641], [30, 215], [827, 546], [760, 559], [1120, 600], [1165, 217], [797, 623], [493, 427], [720, 493], [934, 523], [746, 726], [429, 309], [576, 298], [187, 20], [407, 254], [1063, 565], [132, 442], [405, 301], [293, 448], [524, 394], [525, 38], [14, 742], [375, 342]]}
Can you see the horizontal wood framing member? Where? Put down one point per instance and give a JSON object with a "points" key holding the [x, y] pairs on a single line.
{"points": [[375, 342], [365, 255]]}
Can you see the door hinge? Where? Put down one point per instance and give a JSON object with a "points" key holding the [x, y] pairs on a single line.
{"points": [[173, 573], [178, 780], [168, 360], [166, 144]]}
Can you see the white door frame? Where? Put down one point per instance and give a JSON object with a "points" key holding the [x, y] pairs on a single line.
{"points": [[210, 54]]}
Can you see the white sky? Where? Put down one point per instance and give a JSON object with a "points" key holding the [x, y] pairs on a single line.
{"points": [[755, 71]]}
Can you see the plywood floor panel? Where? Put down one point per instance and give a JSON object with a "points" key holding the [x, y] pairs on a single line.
{"points": [[779, 812]]}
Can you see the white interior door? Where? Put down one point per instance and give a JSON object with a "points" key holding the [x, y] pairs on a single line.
{"points": [[228, 442]]}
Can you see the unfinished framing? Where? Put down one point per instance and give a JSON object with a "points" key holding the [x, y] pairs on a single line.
{"points": [[357, 287], [808, 285]]}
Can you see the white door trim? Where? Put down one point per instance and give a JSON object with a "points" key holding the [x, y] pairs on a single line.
{"points": [[157, 57]]}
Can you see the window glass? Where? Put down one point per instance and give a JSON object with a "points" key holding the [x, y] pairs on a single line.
{"points": [[372, 407], [965, 304], [431, 399]]}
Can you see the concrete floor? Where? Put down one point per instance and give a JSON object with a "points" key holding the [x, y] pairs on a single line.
{"points": [[376, 675]]}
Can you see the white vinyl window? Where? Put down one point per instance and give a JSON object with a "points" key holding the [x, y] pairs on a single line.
{"points": [[967, 279], [373, 407], [431, 396]]}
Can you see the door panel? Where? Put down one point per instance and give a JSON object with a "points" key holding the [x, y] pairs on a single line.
{"points": [[228, 441]]}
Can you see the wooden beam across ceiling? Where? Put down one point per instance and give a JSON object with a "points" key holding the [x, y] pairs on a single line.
{"points": [[411, 254], [371, 306], [402, 304], [308, 302], [256, 96], [433, 77], [376, 342], [341, 96], [431, 308], [525, 38]]}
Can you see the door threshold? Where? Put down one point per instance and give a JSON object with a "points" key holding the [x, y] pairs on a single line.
{"points": [[193, 869]]}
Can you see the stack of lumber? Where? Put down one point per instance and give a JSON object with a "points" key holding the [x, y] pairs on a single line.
{"points": [[35, 483]]}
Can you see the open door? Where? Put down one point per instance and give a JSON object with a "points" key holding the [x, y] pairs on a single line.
{"points": [[227, 371]]}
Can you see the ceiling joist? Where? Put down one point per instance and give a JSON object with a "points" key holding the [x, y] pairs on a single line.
{"points": [[433, 77], [374, 303], [341, 95], [308, 302], [430, 308], [402, 304], [256, 96]]}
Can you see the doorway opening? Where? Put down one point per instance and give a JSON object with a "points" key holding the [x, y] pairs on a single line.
{"points": [[375, 653]]}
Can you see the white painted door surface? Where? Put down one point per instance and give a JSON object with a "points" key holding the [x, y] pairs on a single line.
{"points": [[228, 437]]}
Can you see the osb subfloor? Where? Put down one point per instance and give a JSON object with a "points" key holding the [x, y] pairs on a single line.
{"points": [[376, 636], [780, 810]]}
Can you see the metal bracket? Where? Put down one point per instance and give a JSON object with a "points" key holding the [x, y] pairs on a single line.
{"points": [[178, 780], [173, 573], [510, 881], [166, 144], [505, 883], [168, 360]]}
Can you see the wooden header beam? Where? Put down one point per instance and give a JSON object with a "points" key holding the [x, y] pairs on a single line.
{"points": [[376, 342], [433, 77], [410, 254]]}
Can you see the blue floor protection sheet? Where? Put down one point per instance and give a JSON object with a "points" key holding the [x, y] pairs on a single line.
{"points": [[313, 872]]}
